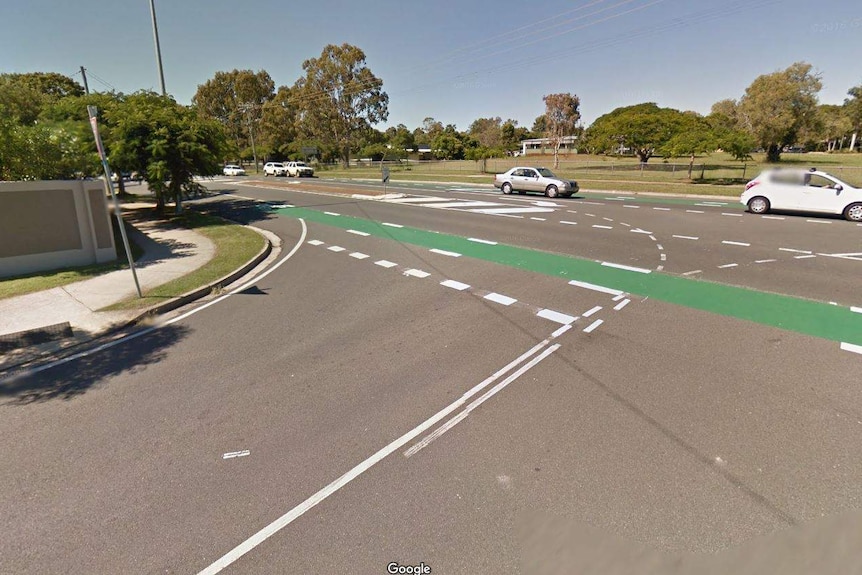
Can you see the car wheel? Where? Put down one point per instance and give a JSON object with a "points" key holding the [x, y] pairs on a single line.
{"points": [[551, 191], [758, 205], [507, 188], [853, 212]]}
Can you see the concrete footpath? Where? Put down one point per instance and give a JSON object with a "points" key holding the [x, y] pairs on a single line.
{"points": [[169, 253]]}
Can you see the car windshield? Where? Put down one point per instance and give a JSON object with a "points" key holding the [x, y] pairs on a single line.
{"points": [[546, 173]]}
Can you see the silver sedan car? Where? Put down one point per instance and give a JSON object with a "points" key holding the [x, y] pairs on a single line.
{"points": [[527, 179]]}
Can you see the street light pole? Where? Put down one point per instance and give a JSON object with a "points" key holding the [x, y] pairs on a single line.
{"points": [[158, 49]]}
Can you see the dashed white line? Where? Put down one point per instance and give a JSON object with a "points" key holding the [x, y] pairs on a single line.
{"points": [[695, 238], [622, 304], [455, 285], [391, 225], [539, 219], [315, 242], [591, 215], [819, 221], [804, 257], [764, 261], [593, 311], [728, 266], [568, 223], [416, 273], [662, 209], [359, 255], [385, 264], [592, 203], [479, 241], [659, 268], [597, 288], [561, 331], [358, 233], [625, 224], [232, 454], [607, 219], [500, 299], [336, 248], [619, 296], [695, 211], [732, 215], [659, 246], [794, 251], [663, 257], [331, 214], [653, 238], [729, 243], [627, 268], [445, 253], [593, 325], [633, 207], [772, 217], [692, 272], [851, 347], [556, 316], [603, 227]]}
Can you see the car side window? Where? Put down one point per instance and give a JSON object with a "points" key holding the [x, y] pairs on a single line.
{"points": [[518, 173], [530, 173], [817, 181]]}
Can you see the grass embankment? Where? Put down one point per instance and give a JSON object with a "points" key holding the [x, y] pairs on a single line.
{"points": [[234, 246]]}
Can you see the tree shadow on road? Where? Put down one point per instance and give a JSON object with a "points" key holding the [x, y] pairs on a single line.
{"points": [[128, 354]]}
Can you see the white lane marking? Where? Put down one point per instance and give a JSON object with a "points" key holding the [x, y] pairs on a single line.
{"points": [[659, 268], [633, 207], [539, 219], [568, 223], [622, 304], [385, 264], [445, 253], [593, 325], [733, 215], [608, 219], [856, 309], [591, 215], [510, 211], [712, 204], [659, 246], [597, 288], [621, 198], [764, 261], [428, 439], [331, 214], [819, 221], [593, 203], [336, 248], [603, 227], [851, 347], [455, 285], [391, 225], [416, 273], [728, 266], [772, 217], [358, 233], [232, 454], [794, 251], [315, 242], [465, 205], [662, 209], [592, 311], [556, 316], [501, 299], [292, 515], [547, 204], [359, 255], [687, 237], [692, 272], [619, 297], [561, 331], [617, 199], [419, 200], [856, 257], [653, 238], [625, 224], [664, 257], [695, 211], [728, 243], [640, 231], [627, 268], [478, 241], [572, 211], [804, 257]]}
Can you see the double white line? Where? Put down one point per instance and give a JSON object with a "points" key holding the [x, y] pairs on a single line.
{"points": [[541, 349]]}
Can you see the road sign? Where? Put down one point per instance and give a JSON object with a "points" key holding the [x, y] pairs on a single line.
{"points": [[385, 172]]}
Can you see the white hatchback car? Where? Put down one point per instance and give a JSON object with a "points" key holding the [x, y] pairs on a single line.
{"points": [[233, 170], [802, 191]]}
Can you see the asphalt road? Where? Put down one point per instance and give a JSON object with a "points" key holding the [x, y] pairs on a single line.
{"points": [[421, 383]]}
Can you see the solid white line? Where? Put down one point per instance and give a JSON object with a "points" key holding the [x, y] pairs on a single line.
{"points": [[501, 299], [619, 297], [819, 221], [622, 304], [692, 272], [772, 217], [734, 215], [416, 273], [635, 207], [735, 243], [593, 325], [728, 266], [856, 309], [687, 237], [764, 261], [595, 287], [417, 200], [358, 233], [385, 264], [445, 253], [464, 204], [568, 223], [803, 257], [428, 439], [662, 209], [478, 241], [510, 211], [556, 316], [561, 331], [627, 268], [391, 225], [359, 255], [539, 219], [695, 211], [455, 285], [592, 311], [232, 454], [358, 470], [331, 214], [794, 251], [315, 242], [603, 227], [851, 347], [336, 248]]}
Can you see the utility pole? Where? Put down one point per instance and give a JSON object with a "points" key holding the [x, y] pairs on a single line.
{"points": [[84, 75], [247, 108], [158, 49]]}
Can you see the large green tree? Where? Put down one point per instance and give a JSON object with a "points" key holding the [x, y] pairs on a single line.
{"points": [[777, 107], [643, 128], [339, 98], [25, 96], [562, 115]]}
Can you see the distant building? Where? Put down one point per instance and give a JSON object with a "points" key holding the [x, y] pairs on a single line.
{"points": [[543, 145]]}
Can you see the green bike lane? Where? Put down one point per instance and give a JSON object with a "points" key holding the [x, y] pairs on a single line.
{"points": [[814, 318]]}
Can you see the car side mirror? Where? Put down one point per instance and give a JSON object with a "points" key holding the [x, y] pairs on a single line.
{"points": [[838, 187]]}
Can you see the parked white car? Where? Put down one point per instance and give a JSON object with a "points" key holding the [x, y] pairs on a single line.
{"points": [[233, 170], [274, 169], [299, 169], [527, 179], [802, 191]]}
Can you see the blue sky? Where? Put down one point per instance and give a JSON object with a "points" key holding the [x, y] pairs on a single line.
{"points": [[454, 61]]}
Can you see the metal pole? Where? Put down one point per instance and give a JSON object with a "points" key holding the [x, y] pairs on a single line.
{"points": [[158, 49], [91, 110]]}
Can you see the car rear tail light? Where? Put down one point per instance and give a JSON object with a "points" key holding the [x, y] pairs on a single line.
{"points": [[750, 185]]}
